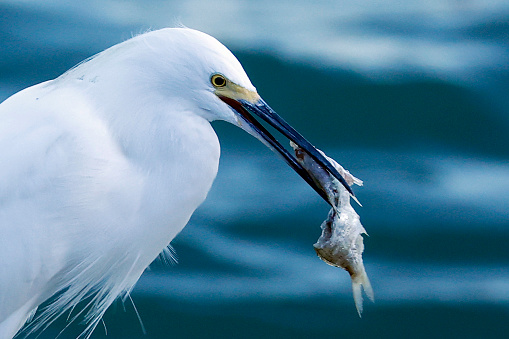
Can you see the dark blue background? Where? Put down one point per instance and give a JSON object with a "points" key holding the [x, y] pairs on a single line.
{"points": [[430, 139]]}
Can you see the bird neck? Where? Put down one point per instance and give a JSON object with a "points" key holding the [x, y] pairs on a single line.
{"points": [[175, 151], [158, 132]]}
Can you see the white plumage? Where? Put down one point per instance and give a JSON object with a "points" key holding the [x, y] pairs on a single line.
{"points": [[102, 167]]}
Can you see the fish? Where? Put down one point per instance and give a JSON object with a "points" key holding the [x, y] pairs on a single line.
{"points": [[341, 243]]}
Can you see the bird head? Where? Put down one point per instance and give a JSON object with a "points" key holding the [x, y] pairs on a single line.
{"points": [[227, 94], [215, 86]]}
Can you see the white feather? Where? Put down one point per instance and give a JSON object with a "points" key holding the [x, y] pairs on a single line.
{"points": [[102, 168]]}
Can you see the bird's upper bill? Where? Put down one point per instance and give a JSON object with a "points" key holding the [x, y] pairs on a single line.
{"points": [[248, 104]]}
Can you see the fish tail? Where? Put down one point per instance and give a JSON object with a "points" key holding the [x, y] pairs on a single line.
{"points": [[359, 282]]}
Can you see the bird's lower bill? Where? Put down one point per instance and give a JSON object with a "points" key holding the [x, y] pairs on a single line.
{"points": [[247, 112]]}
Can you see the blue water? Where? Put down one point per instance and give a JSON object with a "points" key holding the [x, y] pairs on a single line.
{"points": [[412, 97]]}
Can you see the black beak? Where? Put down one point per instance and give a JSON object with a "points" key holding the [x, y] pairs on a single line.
{"points": [[246, 110]]}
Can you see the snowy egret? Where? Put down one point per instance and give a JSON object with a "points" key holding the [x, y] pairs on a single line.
{"points": [[103, 166]]}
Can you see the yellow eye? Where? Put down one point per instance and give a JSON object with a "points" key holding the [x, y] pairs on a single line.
{"points": [[218, 80]]}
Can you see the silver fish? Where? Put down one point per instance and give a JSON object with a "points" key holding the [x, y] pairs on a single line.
{"points": [[341, 243]]}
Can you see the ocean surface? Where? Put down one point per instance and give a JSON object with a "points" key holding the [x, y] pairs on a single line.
{"points": [[412, 97]]}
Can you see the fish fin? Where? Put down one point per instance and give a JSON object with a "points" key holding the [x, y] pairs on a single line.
{"points": [[356, 200], [358, 283], [357, 297], [366, 285]]}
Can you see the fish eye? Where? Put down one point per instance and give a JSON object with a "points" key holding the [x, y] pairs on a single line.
{"points": [[218, 80]]}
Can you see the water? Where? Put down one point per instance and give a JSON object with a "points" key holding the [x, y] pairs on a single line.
{"points": [[411, 97]]}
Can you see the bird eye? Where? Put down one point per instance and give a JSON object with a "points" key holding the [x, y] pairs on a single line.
{"points": [[218, 80]]}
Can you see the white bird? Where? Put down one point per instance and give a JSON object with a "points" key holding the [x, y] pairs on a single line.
{"points": [[103, 166]]}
